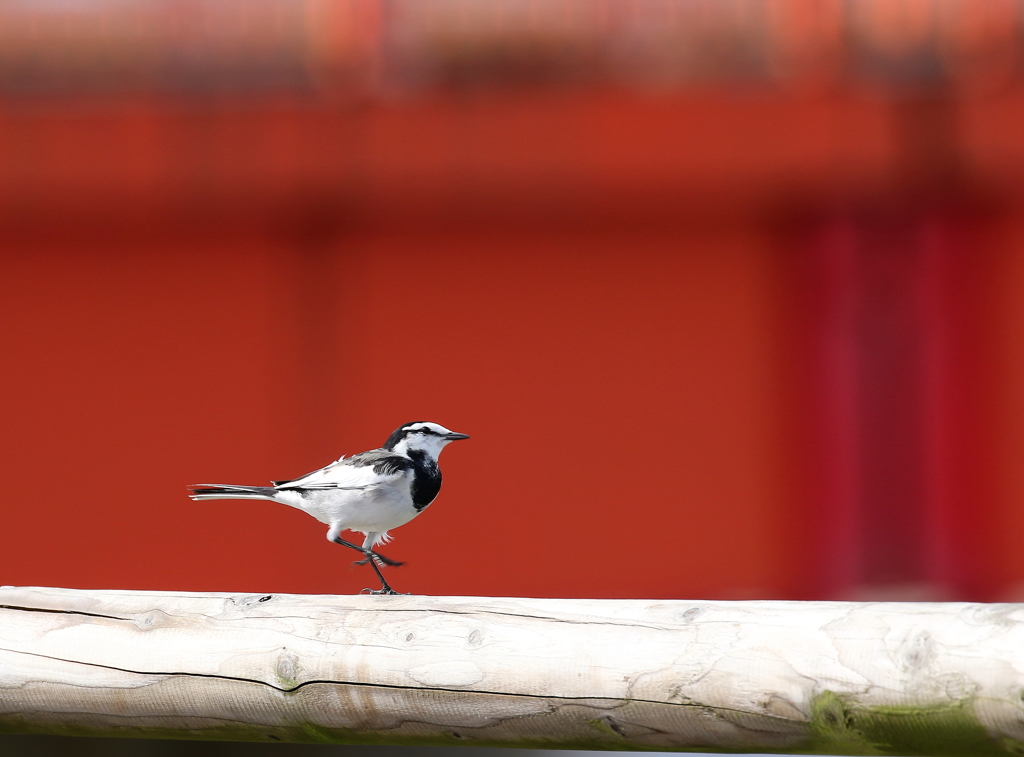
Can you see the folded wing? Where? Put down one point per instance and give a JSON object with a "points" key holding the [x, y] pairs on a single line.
{"points": [[357, 472]]}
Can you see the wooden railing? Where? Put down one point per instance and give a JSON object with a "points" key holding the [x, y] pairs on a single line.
{"points": [[818, 677]]}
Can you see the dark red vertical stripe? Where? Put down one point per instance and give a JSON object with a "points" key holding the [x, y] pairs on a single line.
{"points": [[891, 362]]}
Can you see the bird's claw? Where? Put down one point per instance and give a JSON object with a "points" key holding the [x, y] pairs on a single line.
{"points": [[381, 559], [386, 590]]}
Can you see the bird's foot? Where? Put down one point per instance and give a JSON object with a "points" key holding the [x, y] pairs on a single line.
{"points": [[380, 558], [383, 590]]}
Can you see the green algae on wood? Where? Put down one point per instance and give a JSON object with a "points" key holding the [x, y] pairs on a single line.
{"points": [[839, 726], [601, 726]]}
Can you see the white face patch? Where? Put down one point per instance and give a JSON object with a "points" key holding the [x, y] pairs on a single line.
{"points": [[426, 437]]}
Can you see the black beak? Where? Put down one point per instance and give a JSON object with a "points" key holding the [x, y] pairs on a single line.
{"points": [[454, 436]]}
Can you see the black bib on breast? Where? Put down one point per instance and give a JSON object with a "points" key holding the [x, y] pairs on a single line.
{"points": [[426, 481]]}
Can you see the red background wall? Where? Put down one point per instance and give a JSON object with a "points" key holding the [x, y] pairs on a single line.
{"points": [[622, 293], [621, 391]]}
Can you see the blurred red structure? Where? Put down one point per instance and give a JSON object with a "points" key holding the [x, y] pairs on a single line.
{"points": [[726, 294]]}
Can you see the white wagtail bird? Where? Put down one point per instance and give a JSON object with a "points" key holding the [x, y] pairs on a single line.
{"points": [[371, 492]]}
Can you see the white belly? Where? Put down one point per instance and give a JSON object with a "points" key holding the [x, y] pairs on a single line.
{"points": [[378, 508]]}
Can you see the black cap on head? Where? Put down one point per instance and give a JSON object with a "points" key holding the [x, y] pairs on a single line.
{"points": [[399, 434]]}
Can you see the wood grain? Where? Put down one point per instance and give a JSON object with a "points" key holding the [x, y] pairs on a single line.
{"points": [[820, 677]]}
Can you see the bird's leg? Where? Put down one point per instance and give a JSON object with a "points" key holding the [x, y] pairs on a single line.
{"points": [[382, 558], [384, 588], [367, 552], [370, 554], [369, 543]]}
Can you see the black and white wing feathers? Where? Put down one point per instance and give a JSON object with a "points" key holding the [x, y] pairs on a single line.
{"points": [[360, 471]]}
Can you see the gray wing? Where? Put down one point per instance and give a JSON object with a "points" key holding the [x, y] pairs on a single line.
{"points": [[384, 462], [356, 472]]}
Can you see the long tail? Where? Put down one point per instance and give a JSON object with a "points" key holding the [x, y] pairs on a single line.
{"points": [[228, 491]]}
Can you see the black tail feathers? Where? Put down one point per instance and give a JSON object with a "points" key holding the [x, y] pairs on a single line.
{"points": [[226, 491]]}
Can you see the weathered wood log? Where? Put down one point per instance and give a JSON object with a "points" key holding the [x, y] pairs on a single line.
{"points": [[818, 677]]}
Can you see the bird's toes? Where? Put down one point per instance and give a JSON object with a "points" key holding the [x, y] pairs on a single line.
{"points": [[381, 560]]}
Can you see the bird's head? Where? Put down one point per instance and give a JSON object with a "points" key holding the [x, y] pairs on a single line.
{"points": [[422, 436]]}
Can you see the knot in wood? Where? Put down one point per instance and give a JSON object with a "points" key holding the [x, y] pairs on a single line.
{"points": [[287, 669]]}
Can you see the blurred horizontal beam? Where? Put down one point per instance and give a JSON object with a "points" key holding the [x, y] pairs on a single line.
{"points": [[515, 160], [807, 677], [380, 48]]}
